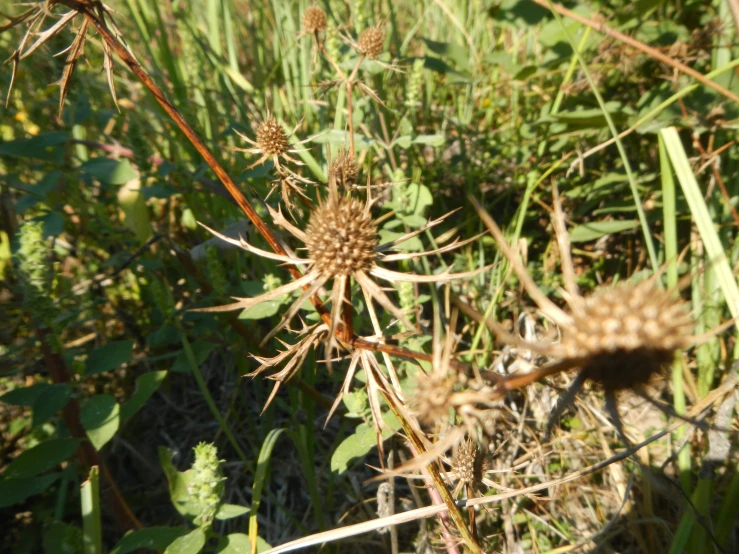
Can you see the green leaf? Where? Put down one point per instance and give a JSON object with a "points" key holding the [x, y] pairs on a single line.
{"points": [[200, 349], [265, 309], [238, 543], [41, 457], [336, 136], [178, 486], [109, 171], [53, 224], [51, 399], [151, 538], [192, 543], [146, 385], [110, 356], [24, 396], [16, 489], [418, 197], [62, 538], [228, 511], [265, 453], [100, 416], [596, 229], [359, 443], [431, 140], [46, 146]]}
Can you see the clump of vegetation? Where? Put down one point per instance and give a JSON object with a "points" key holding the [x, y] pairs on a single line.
{"points": [[408, 368]]}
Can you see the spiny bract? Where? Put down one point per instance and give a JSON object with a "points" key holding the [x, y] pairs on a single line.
{"points": [[341, 237], [344, 169]]}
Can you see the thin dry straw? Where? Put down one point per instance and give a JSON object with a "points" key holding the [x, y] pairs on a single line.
{"points": [[352, 530]]}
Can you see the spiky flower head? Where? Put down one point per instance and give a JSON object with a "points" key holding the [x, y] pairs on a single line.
{"points": [[371, 41], [314, 20], [626, 333], [344, 168], [271, 137], [341, 237], [468, 463], [433, 398]]}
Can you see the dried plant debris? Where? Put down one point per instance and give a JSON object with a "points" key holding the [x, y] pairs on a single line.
{"points": [[35, 17]]}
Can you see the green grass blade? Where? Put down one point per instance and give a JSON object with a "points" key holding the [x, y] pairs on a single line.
{"points": [[92, 534], [260, 477], [703, 221]]}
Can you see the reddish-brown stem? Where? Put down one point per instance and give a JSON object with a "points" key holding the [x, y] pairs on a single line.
{"points": [[86, 454]]}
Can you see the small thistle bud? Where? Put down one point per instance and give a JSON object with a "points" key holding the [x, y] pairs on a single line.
{"points": [[371, 41], [206, 484], [344, 169], [341, 237], [625, 334], [271, 137], [433, 398], [468, 463], [314, 20]]}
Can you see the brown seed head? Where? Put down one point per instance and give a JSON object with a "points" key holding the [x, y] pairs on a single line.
{"points": [[271, 137], [625, 334], [342, 236], [468, 463], [314, 20], [371, 41], [344, 169], [433, 398]]}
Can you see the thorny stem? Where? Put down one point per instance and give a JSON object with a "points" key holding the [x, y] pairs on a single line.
{"points": [[439, 483], [221, 173]]}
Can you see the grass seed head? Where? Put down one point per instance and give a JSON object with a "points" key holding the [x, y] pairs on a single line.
{"points": [[271, 137], [314, 20], [341, 237], [371, 41], [344, 169], [626, 333]]}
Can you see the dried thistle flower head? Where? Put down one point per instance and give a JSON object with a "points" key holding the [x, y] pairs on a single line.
{"points": [[371, 41], [469, 464], [272, 142], [314, 20], [342, 243], [625, 334], [341, 237], [433, 398], [344, 169]]}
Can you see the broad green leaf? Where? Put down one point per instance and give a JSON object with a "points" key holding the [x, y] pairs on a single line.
{"points": [[238, 543], [265, 309], [192, 543], [51, 399], [109, 171], [24, 396], [360, 443], [151, 538], [62, 538], [41, 457], [110, 356], [132, 202], [178, 481], [100, 416], [228, 511], [596, 229], [418, 197], [146, 385], [336, 136], [53, 224], [16, 489]]}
